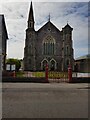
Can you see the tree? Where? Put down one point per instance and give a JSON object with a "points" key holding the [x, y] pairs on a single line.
{"points": [[17, 62]]}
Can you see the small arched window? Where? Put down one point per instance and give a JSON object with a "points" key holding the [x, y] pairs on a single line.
{"points": [[67, 50], [30, 49], [67, 62]]}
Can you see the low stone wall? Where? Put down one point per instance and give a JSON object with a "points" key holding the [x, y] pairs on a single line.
{"points": [[23, 79], [7, 74], [41, 80], [80, 80]]}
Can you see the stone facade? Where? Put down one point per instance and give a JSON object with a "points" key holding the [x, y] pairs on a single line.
{"points": [[48, 45]]}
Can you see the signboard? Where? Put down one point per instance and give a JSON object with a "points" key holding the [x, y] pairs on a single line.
{"points": [[13, 67], [8, 67]]}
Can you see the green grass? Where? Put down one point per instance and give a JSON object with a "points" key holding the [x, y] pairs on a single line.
{"points": [[19, 74], [42, 74], [51, 74], [38, 74]]}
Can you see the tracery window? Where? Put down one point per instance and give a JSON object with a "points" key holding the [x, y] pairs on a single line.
{"points": [[49, 46]]}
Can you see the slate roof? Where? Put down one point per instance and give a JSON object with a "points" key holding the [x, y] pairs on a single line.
{"points": [[83, 57]]}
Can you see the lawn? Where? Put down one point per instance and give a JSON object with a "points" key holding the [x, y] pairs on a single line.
{"points": [[19, 74], [51, 74], [38, 74]]}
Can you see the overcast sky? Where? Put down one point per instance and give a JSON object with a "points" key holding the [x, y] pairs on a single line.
{"points": [[16, 16]]}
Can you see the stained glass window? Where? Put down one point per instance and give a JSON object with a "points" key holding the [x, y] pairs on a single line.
{"points": [[49, 46]]}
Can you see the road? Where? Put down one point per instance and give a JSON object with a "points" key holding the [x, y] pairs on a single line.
{"points": [[48, 100]]}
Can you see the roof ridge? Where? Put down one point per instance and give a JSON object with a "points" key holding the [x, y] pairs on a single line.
{"points": [[46, 24]]}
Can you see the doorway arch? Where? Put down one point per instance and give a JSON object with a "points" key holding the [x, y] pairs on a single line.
{"points": [[52, 65], [43, 64]]}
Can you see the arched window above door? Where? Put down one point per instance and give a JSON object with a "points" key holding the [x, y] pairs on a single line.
{"points": [[49, 45]]}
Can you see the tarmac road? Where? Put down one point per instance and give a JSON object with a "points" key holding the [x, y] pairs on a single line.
{"points": [[35, 100]]}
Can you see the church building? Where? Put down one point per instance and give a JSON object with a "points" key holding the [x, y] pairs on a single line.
{"points": [[48, 45]]}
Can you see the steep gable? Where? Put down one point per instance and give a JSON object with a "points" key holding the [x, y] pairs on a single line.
{"points": [[49, 26]]}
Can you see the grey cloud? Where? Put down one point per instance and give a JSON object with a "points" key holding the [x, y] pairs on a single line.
{"points": [[16, 10], [17, 14]]}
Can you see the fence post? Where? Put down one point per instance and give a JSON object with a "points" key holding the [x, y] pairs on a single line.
{"points": [[14, 74], [46, 73], [70, 73]]}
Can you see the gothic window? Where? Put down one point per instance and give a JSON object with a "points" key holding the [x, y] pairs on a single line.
{"points": [[30, 49], [53, 48], [52, 65], [67, 50], [67, 36], [30, 35], [67, 62], [30, 24], [49, 46], [44, 48], [29, 61], [43, 64]]}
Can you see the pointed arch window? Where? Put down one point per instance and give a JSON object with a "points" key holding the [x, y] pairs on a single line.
{"points": [[49, 46], [30, 24], [67, 50], [30, 50], [67, 62]]}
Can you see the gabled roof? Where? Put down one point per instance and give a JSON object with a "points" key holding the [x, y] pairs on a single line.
{"points": [[83, 57], [49, 23], [68, 26]]}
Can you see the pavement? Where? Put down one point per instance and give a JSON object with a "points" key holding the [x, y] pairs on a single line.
{"points": [[44, 100], [0, 101]]}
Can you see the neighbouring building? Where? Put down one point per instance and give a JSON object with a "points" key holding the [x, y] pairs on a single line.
{"points": [[82, 64], [3, 42], [48, 45]]}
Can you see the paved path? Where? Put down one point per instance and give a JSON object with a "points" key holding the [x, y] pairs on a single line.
{"points": [[58, 100], [0, 101]]}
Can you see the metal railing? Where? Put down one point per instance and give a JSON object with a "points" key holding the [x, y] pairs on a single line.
{"points": [[54, 76]]}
